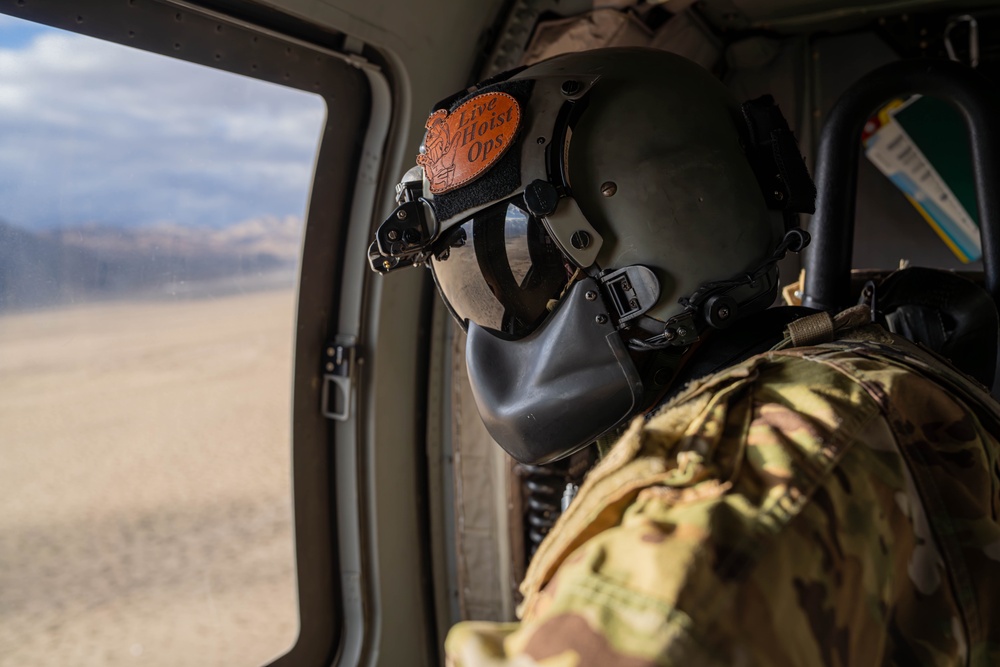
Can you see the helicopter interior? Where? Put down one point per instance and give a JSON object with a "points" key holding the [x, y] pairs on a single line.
{"points": [[404, 516]]}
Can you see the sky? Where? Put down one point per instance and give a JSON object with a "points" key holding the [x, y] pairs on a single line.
{"points": [[95, 132]]}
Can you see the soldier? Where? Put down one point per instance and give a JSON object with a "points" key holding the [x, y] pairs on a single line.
{"points": [[790, 488]]}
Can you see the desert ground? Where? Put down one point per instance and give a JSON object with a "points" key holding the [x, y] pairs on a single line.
{"points": [[145, 509]]}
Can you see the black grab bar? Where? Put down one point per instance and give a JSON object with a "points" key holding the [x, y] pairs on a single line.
{"points": [[828, 259]]}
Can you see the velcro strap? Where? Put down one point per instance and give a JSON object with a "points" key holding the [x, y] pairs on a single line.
{"points": [[852, 318], [811, 330]]}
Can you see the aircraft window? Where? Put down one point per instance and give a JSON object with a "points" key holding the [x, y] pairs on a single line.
{"points": [[150, 228]]}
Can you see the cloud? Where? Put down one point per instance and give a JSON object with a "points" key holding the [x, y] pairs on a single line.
{"points": [[97, 132]]}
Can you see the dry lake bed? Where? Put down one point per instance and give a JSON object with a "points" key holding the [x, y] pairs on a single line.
{"points": [[145, 496]]}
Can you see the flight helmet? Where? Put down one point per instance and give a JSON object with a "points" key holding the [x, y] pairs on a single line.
{"points": [[586, 220]]}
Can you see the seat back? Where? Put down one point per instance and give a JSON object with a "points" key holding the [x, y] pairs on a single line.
{"points": [[945, 313]]}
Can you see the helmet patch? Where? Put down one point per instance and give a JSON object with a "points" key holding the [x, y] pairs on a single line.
{"points": [[461, 146]]}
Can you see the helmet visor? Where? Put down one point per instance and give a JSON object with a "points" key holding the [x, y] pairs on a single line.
{"points": [[500, 269]]}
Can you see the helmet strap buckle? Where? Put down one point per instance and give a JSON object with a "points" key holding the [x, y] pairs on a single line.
{"points": [[632, 291]]}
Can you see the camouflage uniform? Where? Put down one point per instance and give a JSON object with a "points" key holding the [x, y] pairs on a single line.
{"points": [[827, 505]]}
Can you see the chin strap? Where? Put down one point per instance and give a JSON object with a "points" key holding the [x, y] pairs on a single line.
{"points": [[713, 304]]}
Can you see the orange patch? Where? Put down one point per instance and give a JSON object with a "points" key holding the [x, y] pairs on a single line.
{"points": [[462, 145]]}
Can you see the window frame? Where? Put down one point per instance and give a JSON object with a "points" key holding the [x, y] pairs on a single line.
{"points": [[298, 55]]}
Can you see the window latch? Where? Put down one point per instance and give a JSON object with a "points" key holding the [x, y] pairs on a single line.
{"points": [[339, 358]]}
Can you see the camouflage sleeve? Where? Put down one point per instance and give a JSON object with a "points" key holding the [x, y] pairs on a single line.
{"points": [[767, 518]]}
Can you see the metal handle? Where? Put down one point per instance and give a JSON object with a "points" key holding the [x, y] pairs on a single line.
{"points": [[828, 260]]}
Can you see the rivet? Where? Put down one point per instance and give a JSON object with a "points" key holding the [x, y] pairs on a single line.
{"points": [[330, 367], [570, 87], [401, 214], [723, 313], [669, 333], [540, 141], [609, 188], [330, 351], [393, 235], [778, 195], [601, 319], [386, 264], [590, 296], [682, 332], [580, 239]]}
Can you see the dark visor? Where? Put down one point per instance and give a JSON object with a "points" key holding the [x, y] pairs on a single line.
{"points": [[500, 269]]}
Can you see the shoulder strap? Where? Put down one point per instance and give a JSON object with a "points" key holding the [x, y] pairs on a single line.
{"points": [[853, 327]]}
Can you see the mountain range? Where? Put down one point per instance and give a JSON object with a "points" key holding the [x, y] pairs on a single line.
{"points": [[96, 262]]}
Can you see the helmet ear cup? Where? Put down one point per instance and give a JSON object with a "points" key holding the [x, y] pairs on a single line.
{"points": [[720, 311], [656, 165]]}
